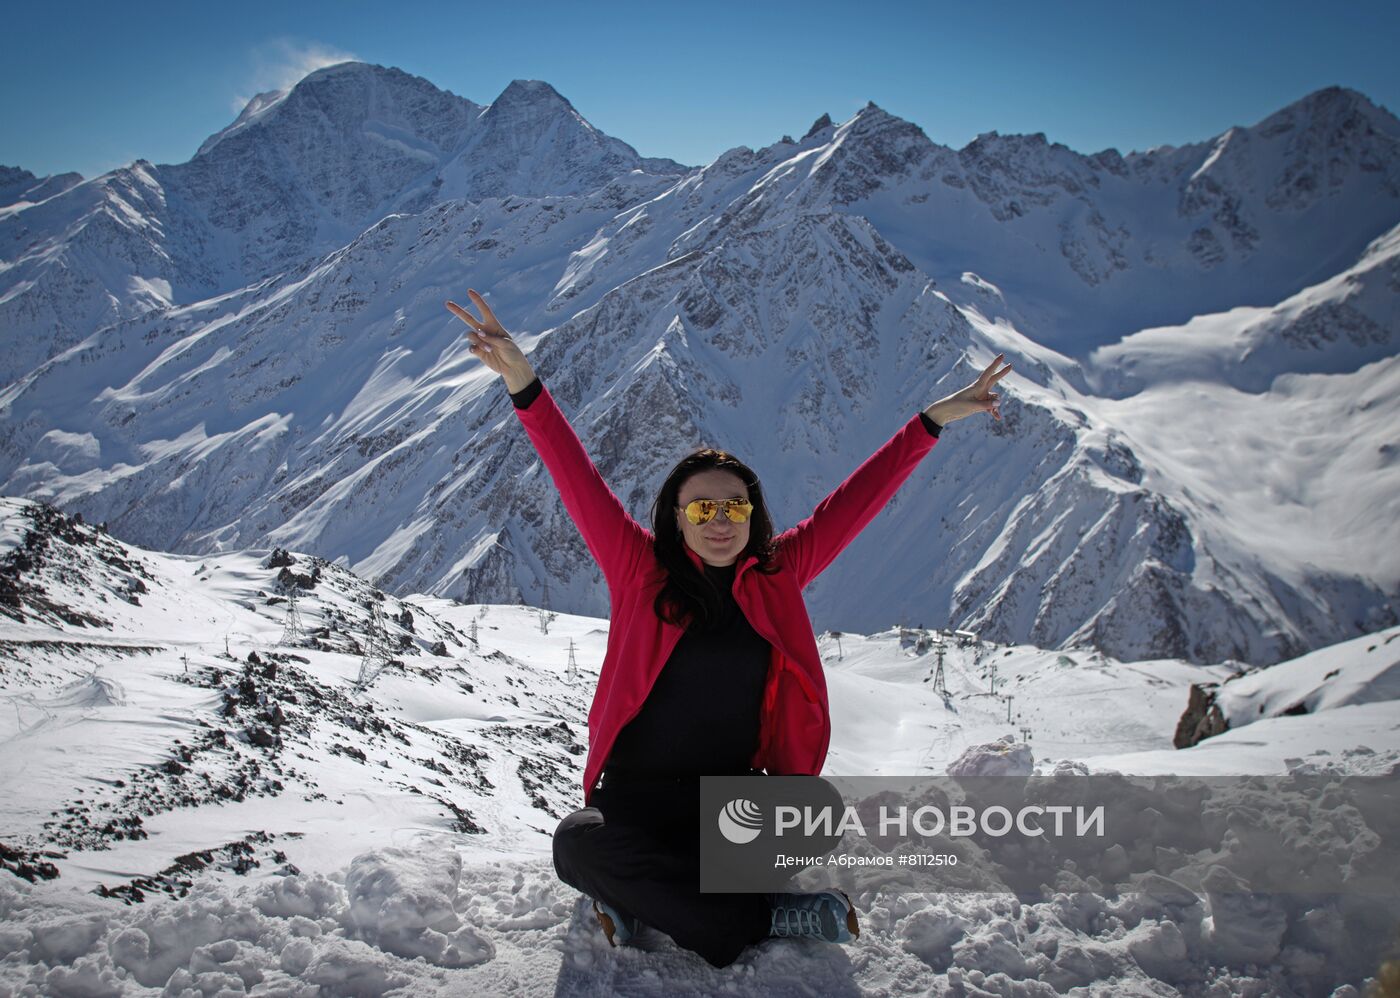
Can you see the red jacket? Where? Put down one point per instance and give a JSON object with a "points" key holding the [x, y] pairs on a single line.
{"points": [[796, 724]]}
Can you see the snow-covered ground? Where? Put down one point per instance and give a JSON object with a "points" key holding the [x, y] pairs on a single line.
{"points": [[227, 812]]}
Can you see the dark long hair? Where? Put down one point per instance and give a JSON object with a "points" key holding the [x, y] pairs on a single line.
{"points": [[689, 599]]}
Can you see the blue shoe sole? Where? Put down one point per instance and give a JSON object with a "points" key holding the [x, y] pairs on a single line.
{"points": [[614, 926]]}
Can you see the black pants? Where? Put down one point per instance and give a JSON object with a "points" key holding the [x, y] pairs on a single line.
{"points": [[638, 849]]}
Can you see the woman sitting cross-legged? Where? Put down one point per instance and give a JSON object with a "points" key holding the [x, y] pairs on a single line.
{"points": [[711, 667]]}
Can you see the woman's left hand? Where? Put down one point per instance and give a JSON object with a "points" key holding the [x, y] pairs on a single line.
{"points": [[976, 397]]}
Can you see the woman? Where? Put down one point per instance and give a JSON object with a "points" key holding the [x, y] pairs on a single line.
{"points": [[711, 668]]}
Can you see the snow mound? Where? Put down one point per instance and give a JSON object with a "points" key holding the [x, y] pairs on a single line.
{"points": [[89, 691], [1003, 757], [402, 902], [284, 936]]}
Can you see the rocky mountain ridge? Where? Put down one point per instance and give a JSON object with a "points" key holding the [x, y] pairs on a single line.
{"points": [[784, 303]]}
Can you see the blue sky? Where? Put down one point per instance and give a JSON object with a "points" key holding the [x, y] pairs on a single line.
{"points": [[90, 86]]}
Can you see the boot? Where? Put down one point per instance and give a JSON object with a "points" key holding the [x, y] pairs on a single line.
{"points": [[616, 926], [828, 915]]}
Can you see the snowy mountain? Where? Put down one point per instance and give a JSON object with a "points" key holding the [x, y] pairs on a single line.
{"points": [[1192, 443], [1088, 249], [298, 174], [192, 796], [20, 188]]}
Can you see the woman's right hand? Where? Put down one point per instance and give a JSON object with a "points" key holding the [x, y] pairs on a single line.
{"points": [[492, 345]]}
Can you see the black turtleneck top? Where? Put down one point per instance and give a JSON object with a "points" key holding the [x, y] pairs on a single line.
{"points": [[702, 715]]}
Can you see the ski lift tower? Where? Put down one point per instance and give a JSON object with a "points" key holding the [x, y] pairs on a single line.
{"points": [[292, 634], [940, 682], [376, 654]]}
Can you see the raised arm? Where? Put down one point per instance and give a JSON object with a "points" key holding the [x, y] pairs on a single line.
{"points": [[814, 543], [616, 541]]}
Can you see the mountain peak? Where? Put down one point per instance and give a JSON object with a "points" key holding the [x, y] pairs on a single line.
{"points": [[350, 92], [1335, 96], [823, 122], [529, 92], [358, 79], [1328, 108], [873, 118], [338, 68], [268, 99]]}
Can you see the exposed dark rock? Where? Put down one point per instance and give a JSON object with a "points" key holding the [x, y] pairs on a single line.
{"points": [[1202, 718], [175, 880], [288, 580], [21, 590], [823, 122], [349, 751], [261, 737], [29, 865], [464, 822]]}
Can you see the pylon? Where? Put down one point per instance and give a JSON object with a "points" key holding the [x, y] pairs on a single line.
{"points": [[376, 654], [292, 635]]}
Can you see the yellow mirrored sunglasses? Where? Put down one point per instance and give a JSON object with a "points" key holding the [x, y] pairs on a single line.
{"points": [[699, 511]]}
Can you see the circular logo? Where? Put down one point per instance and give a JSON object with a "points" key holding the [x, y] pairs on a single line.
{"points": [[740, 821]]}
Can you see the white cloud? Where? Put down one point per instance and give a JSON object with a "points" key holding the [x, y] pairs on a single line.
{"points": [[279, 64]]}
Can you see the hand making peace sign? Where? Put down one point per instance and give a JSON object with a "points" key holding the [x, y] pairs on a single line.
{"points": [[492, 345], [976, 397]]}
